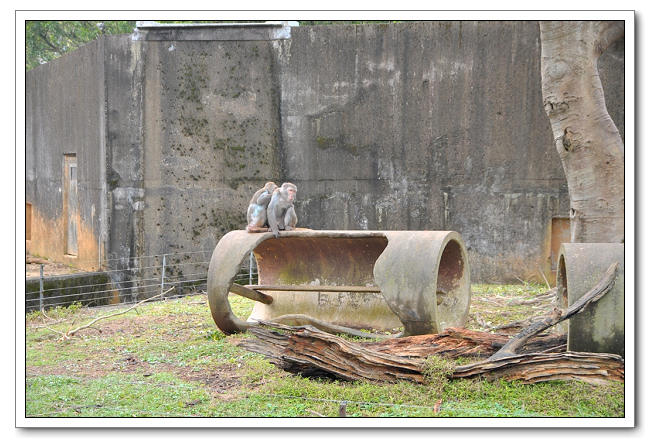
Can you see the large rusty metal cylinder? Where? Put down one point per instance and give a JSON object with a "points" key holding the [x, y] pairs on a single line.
{"points": [[600, 327], [378, 280]]}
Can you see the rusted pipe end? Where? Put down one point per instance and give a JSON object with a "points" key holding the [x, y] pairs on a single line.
{"points": [[424, 277]]}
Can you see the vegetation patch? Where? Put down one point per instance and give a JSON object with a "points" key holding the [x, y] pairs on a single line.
{"points": [[168, 359]]}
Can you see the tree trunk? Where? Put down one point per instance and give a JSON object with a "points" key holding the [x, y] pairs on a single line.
{"points": [[587, 140]]}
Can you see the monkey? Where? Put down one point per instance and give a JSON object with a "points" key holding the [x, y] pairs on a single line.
{"points": [[281, 214], [256, 214]]}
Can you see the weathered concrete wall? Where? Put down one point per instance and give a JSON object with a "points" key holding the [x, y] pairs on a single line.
{"points": [[408, 126], [124, 154], [425, 126], [64, 104], [211, 139], [181, 134]]}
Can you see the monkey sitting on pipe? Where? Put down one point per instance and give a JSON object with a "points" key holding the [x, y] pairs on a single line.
{"points": [[281, 213], [257, 214]]}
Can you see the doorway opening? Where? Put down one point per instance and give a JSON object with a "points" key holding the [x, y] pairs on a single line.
{"points": [[70, 203], [28, 226], [560, 233]]}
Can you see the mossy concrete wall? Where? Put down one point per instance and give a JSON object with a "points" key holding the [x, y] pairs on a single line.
{"points": [[211, 139], [405, 126], [429, 126], [181, 135], [211, 135]]}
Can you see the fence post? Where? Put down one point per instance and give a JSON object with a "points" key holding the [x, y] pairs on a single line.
{"points": [[162, 279], [343, 408], [40, 291]]}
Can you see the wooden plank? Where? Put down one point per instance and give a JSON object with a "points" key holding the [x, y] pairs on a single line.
{"points": [[251, 294], [315, 288]]}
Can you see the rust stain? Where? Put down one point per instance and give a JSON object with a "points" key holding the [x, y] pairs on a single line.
{"points": [[48, 240], [560, 233]]}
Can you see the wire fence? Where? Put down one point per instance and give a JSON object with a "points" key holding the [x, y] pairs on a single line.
{"points": [[184, 273]]}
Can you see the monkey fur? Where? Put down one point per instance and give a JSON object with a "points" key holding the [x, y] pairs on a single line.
{"points": [[257, 214], [281, 213]]}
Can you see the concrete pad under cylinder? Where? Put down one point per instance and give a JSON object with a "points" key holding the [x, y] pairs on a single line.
{"points": [[420, 279], [600, 327]]}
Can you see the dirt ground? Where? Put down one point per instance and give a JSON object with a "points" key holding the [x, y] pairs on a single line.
{"points": [[102, 361], [33, 267]]}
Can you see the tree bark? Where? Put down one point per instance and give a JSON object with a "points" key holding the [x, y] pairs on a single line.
{"points": [[311, 352], [460, 342], [451, 343], [593, 368], [587, 140]]}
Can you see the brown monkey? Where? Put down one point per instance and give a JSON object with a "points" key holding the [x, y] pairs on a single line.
{"points": [[256, 214], [281, 214]]}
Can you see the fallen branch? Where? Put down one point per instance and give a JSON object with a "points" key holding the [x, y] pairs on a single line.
{"points": [[310, 352], [593, 368], [547, 283], [68, 334], [460, 342], [46, 316], [52, 321], [451, 343], [555, 315]]}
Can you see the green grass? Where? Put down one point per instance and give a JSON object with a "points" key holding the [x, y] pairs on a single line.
{"points": [[502, 304], [160, 395], [168, 359], [522, 291]]}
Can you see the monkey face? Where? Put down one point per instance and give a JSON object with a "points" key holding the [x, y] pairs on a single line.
{"points": [[288, 191], [291, 194]]}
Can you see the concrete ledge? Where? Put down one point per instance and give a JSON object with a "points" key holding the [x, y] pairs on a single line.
{"points": [[154, 31]]}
